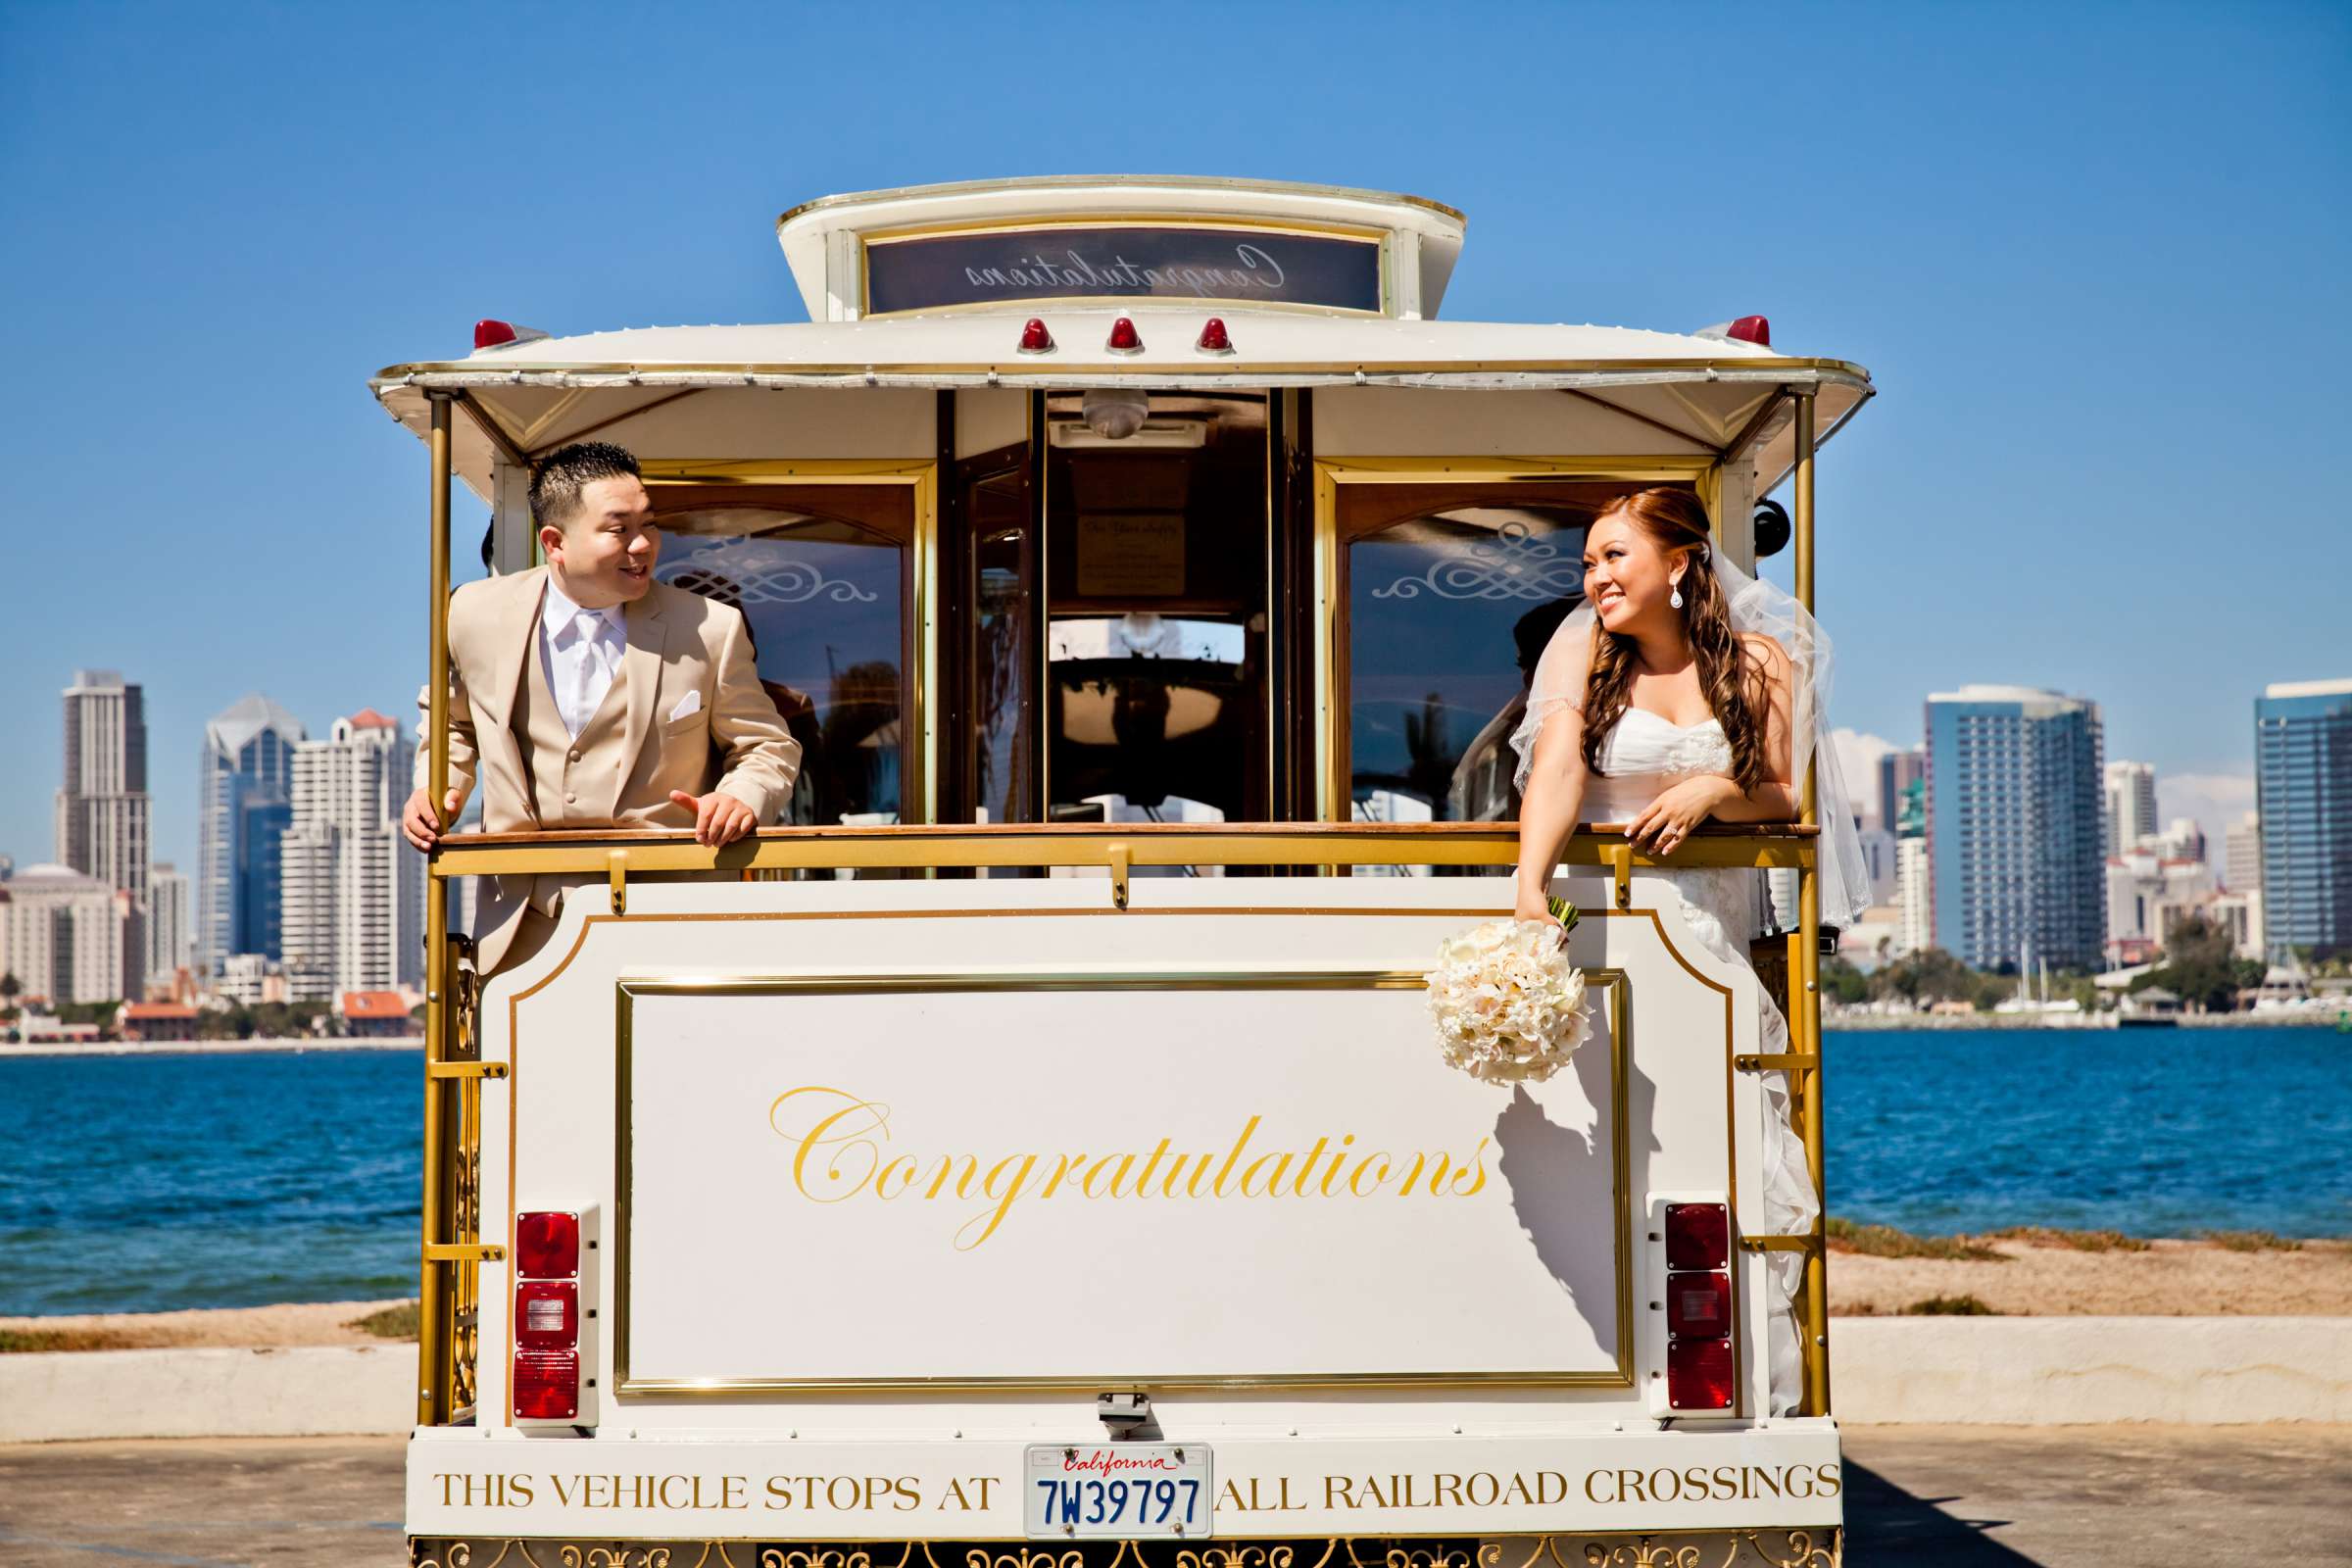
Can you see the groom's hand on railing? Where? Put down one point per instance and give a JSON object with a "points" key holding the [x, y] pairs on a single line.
{"points": [[718, 818], [419, 821]]}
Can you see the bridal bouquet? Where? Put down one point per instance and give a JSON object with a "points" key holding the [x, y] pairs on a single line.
{"points": [[1508, 1005]]}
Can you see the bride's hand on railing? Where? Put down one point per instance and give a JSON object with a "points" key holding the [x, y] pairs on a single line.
{"points": [[1665, 822]]}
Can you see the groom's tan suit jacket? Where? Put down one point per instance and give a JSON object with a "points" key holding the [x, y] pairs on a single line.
{"points": [[685, 712]]}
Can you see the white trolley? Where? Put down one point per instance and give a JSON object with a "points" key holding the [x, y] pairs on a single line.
{"points": [[1033, 1153]]}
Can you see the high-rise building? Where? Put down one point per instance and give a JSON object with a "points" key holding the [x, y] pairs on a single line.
{"points": [[246, 780], [2183, 839], [2303, 787], [354, 889], [103, 809], [61, 935], [2015, 826], [168, 938], [1914, 906], [1897, 772], [2130, 810], [2241, 862]]}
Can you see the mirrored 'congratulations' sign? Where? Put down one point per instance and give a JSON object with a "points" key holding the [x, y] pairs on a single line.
{"points": [[1241, 265]]}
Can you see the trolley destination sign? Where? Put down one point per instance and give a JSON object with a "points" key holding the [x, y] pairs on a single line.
{"points": [[1339, 272]]}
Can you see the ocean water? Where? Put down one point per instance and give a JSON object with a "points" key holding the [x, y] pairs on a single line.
{"points": [[146, 1184]]}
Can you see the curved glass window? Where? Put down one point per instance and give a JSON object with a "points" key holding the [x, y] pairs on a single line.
{"points": [[825, 586], [1451, 592]]}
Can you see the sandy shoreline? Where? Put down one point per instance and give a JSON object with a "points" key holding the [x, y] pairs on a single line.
{"points": [[2166, 1278]]}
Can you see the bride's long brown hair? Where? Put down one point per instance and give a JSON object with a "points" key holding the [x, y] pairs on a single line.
{"points": [[1735, 684]]}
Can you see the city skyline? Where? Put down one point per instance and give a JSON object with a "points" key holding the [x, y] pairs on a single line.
{"points": [[2029, 314]]}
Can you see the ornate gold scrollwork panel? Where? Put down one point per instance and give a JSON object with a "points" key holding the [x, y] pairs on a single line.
{"points": [[1729, 1548]]}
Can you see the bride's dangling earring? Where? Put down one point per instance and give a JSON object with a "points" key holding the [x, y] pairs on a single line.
{"points": [[1676, 600]]}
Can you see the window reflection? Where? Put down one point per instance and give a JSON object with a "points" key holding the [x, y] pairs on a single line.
{"points": [[1447, 613], [1151, 713], [825, 598]]}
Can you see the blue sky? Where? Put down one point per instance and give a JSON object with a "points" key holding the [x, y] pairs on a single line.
{"points": [[2097, 261]]}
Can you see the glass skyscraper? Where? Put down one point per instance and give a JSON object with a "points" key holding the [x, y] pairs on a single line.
{"points": [[246, 777], [2303, 786], [2016, 827]]}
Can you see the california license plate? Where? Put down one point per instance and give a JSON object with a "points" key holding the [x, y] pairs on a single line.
{"points": [[1117, 1488]]}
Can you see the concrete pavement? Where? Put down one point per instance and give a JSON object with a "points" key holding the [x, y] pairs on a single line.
{"points": [[2138, 1497]]}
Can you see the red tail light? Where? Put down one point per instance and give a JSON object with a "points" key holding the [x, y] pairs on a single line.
{"points": [[1035, 339], [547, 1245], [1698, 1305], [546, 1315], [1699, 1374], [489, 334], [1697, 1236], [1124, 338], [547, 1385], [1213, 339]]}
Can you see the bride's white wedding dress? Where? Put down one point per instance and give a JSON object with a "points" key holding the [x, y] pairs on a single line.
{"points": [[1642, 756]]}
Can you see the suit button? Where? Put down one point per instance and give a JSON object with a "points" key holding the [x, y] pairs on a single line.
{"points": [[572, 800], [576, 757]]}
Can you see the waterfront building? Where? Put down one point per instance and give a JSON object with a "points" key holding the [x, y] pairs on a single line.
{"points": [[353, 888], [170, 941], [2015, 825], [2130, 806], [2182, 839], [2242, 850], [62, 935], [1914, 904], [1878, 854], [1897, 772], [246, 779], [103, 809], [2148, 894], [2303, 789], [249, 980]]}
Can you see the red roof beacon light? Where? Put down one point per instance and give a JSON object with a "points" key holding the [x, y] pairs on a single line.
{"points": [[1213, 339], [1697, 1236], [1035, 339], [547, 1245], [1698, 1375], [547, 1385], [1124, 338], [1752, 329], [489, 334]]}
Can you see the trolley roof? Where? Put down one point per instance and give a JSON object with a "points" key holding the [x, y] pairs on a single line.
{"points": [[1704, 390]]}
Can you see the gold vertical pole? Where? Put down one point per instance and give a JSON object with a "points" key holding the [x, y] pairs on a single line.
{"points": [[432, 1304], [1805, 985]]}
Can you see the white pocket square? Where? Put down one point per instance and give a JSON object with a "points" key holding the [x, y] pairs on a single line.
{"points": [[691, 703]]}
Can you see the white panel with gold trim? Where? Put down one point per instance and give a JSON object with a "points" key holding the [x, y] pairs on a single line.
{"points": [[1498, 1300]]}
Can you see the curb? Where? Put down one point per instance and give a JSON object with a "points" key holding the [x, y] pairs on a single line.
{"points": [[47, 1396], [2210, 1371], [2065, 1371]]}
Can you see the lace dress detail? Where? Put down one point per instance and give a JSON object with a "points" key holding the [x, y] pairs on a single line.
{"points": [[1643, 754]]}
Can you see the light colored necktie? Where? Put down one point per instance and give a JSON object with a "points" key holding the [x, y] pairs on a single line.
{"points": [[585, 677]]}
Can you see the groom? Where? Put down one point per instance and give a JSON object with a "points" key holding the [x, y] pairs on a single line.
{"points": [[584, 694]]}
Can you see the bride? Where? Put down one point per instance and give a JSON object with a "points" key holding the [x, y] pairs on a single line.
{"points": [[1688, 700]]}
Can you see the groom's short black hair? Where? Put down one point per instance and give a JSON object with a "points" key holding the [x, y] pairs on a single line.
{"points": [[564, 472]]}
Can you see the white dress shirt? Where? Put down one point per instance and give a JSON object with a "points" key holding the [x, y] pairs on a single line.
{"points": [[580, 650]]}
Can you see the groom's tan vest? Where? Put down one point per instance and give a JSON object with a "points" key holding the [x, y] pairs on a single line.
{"points": [[507, 734]]}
